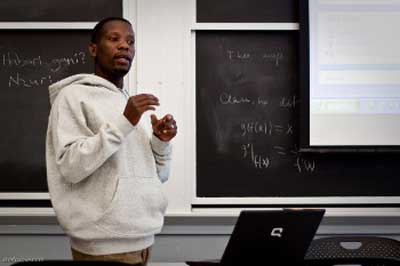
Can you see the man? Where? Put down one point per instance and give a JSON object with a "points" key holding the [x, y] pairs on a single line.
{"points": [[104, 169]]}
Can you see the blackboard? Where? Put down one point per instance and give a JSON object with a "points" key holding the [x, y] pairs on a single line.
{"points": [[247, 126], [30, 60], [58, 10], [247, 11]]}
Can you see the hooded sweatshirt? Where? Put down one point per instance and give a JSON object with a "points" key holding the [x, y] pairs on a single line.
{"points": [[104, 174]]}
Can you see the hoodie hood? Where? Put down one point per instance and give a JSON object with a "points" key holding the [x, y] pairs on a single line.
{"points": [[80, 79]]}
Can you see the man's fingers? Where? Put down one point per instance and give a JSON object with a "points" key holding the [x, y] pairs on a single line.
{"points": [[170, 124], [139, 104], [144, 96], [165, 128], [154, 119], [143, 99], [167, 118], [146, 108], [142, 102], [172, 131]]}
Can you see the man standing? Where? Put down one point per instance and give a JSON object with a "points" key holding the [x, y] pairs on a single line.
{"points": [[104, 169]]}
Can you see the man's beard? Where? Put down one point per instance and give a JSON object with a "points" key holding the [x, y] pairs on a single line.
{"points": [[121, 71]]}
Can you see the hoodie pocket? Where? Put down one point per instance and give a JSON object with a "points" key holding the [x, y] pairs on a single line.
{"points": [[137, 208]]}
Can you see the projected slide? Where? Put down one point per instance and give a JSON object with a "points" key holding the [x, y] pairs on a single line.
{"points": [[354, 72]]}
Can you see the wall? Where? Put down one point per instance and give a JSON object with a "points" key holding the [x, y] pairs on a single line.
{"points": [[162, 69], [164, 66], [182, 238]]}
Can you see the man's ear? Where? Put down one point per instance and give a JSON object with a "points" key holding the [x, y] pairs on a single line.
{"points": [[93, 49]]}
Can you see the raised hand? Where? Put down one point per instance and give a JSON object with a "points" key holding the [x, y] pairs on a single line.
{"points": [[165, 128], [139, 104]]}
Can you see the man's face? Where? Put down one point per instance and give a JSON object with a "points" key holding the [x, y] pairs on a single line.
{"points": [[114, 50]]}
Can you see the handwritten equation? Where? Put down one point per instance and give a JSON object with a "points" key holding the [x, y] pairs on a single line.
{"points": [[254, 130], [265, 128], [259, 160]]}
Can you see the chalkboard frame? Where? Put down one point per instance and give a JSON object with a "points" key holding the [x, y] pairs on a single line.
{"points": [[51, 11], [273, 202], [246, 11], [304, 78], [37, 203], [36, 199]]}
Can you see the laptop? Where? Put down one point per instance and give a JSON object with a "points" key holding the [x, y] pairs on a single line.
{"points": [[262, 237]]}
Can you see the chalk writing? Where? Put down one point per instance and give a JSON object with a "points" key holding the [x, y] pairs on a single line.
{"points": [[77, 58], [288, 102], [273, 57], [247, 110], [256, 57], [12, 59], [262, 102], [226, 98], [235, 54], [230, 99], [24, 76], [304, 164], [280, 150], [18, 80], [301, 163], [265, 128], [262, 161], [257, 160]]}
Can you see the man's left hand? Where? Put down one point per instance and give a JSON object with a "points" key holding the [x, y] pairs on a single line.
{"points": [[165, 128]]}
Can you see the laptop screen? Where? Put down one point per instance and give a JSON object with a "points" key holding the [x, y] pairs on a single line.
{"points": [[271, 236]]}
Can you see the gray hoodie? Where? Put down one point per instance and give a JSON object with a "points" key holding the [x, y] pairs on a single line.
{"points": [[104, 174]]}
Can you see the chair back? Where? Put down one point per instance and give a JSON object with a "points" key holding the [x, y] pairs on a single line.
{"points": [[354, 247]]}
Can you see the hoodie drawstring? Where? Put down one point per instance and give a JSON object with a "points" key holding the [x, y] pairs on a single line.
{"points": [[125, 93]]}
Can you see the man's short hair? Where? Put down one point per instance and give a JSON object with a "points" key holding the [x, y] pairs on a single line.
{"points": [[99, 26]]}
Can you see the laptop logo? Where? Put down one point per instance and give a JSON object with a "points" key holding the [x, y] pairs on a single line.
{"points": [[277, 232]]}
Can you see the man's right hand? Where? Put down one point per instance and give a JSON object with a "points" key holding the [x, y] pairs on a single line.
{"points": [[139, 104]]}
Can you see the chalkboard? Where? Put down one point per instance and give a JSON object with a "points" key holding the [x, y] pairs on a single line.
{"points": [[58, 10], [247, 11], [29, 62], [247, 126]]}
